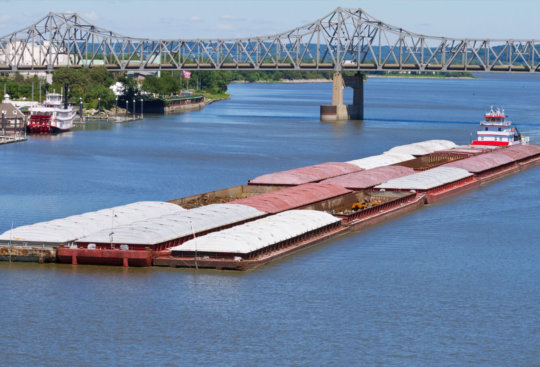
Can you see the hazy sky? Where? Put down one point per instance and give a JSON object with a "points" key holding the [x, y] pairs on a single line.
{"points": [[241, 18]]}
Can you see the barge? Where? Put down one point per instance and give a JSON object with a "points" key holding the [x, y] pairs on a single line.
{"points": [[437, 183], [246, 226], [353, 211]]}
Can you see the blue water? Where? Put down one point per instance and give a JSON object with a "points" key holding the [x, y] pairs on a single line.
{"points": [[452, 284]]}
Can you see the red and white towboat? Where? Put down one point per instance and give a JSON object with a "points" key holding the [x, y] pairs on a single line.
{"points": [[496, 130], [51, 117]]}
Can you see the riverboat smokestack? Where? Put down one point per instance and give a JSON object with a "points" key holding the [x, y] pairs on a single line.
{"points": [[65, 96]]}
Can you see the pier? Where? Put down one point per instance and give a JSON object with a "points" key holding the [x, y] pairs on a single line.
{"points": [[338, 111], [107, 118], [12, 138]]}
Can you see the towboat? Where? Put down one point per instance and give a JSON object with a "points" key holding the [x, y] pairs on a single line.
{"points": [[497, 130]]}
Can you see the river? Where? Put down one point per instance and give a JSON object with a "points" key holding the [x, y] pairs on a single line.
{"points": [[452, 284]]}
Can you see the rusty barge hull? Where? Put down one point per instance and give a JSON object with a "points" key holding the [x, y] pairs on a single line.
{"points": [[28, 254]]}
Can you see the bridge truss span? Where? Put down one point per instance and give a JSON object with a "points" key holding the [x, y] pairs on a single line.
{"points": [[345, 39]]}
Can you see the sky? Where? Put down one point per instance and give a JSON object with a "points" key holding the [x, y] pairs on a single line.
{"points": [[191, 19]]}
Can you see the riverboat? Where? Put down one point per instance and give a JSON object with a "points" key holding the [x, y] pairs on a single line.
{"points": [[51, 117], [496, 130]]}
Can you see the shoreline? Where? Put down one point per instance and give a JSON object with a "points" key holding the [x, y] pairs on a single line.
{"points": [[308, 81]]}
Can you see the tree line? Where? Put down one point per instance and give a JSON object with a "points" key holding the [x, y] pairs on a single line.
{"points": [[93, 84]]}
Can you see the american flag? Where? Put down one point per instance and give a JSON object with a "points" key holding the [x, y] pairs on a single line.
{"points": [[186, 74]]}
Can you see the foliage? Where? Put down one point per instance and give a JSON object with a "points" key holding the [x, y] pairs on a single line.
{"points": [[86, 83], [216, 96], [214, 82], [131, 89], [169, 83], [18, 87], [92, 84]]}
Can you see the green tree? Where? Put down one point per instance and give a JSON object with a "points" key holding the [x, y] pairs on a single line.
{"points": [[131, 89], [102, 92], [152, 84]]}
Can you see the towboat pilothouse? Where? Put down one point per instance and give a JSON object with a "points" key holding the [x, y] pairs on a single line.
{"points": [[496, 130], [51, 117]]}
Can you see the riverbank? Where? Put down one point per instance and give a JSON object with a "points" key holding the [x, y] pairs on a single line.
{"points": [[369, 76]]}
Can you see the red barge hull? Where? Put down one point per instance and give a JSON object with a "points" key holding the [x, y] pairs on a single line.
{"points": [[432, 197], [66, 255]]}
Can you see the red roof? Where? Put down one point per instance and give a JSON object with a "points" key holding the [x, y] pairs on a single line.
{"points": [[292, 197], [369, 178], [518, 152], [482, 162], [307, 174]]}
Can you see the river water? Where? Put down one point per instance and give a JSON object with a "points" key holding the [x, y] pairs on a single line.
{"points": [[452, 284]]}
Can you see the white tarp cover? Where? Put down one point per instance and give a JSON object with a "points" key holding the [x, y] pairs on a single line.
{"points": [[169, 227], [71, 228], [426, 180], [423, 147], [381, 160], [261, 233]]}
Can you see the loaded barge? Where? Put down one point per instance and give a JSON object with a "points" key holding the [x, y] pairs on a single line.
{"points": [[242, 227]]}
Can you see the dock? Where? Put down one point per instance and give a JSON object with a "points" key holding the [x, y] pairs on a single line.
{"points": [[107, 118], [8, 139]]}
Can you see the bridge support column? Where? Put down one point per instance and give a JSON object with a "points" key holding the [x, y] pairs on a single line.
{"points": [[356, 110], [337, 111]]}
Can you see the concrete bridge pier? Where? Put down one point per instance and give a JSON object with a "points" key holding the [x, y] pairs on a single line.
{"points": [[337, 111]]}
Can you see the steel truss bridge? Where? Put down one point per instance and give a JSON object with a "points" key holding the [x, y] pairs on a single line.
{"points": [[345, 39]]}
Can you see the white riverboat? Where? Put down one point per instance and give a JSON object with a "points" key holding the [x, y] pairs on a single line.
{"points": [[51, 116]]}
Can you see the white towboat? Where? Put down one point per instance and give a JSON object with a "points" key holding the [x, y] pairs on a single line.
{"points": [[497, 130]]}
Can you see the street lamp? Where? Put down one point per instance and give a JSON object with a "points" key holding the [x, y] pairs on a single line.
{"points": [[4, 123], [98, 104], [133, 108], [127, 103], [16, 124], [141, 108], [80, 107], [116, 107]]}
